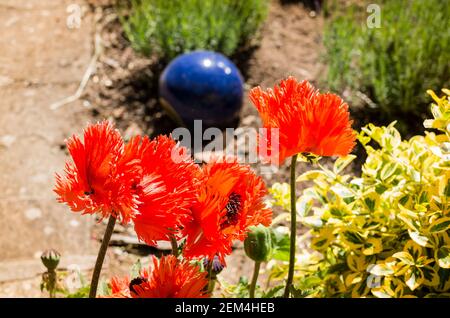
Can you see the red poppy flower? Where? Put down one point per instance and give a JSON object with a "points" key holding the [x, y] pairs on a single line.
{"points": [[305, 120], [166, 187], [169, 278], [98, 181], [229, 200], [120, 287]]}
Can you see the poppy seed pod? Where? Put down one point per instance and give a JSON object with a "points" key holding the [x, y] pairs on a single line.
{"points": [[258, 244], [50, 259]]}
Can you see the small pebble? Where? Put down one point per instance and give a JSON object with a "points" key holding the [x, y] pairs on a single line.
{"points": [[48, 230], [5, 80], [33, 213], [108, 83], [7, 140]]}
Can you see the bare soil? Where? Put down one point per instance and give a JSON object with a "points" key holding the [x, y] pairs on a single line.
{"points": [[42, 61]]}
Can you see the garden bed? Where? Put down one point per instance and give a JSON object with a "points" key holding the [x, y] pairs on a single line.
{"points": [[370, 219], [124, 89]]}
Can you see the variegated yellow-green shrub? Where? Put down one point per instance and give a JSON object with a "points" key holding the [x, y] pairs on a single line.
{"points": [[387, 232]]}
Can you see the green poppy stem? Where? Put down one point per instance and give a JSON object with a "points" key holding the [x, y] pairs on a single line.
{"points": [[211, 286], [52, 278], [211, 278], [174, 243], [101, 256], [293, 229], [254, 279]]}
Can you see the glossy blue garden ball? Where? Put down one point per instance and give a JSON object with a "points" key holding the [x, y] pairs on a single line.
{"points": [[202, 85]]}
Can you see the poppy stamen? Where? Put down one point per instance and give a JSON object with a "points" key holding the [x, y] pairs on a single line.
{"points": [[89, 192], [233, 208]]}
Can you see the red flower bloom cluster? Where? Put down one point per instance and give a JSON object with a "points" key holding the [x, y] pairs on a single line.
{"points": [[229, 200], [156, 184], [169, 278], [307, 121], [151, 182]]}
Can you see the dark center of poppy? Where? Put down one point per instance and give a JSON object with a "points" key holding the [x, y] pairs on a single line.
{"points": [[136, 282], [233, 207], [89, 192]]}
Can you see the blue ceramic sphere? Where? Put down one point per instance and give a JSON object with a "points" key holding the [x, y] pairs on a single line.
{"points": [[202, 85]]}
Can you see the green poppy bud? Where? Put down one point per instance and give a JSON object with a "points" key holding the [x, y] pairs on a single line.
{"points": [[50, 259], [258, 244]]}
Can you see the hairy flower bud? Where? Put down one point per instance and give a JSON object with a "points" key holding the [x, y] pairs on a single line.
{"points": [[216, 266], [258, 244]]}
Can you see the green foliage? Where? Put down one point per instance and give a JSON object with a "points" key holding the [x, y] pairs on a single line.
{"points": [[394, 64], [281, 243], [240, 290], [168, 28], [276, 291], [387, 232], [278, 238], [82, 292]]}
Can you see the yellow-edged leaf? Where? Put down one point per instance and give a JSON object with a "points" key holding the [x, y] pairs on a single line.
{"points": [[353, 278], [414, 278], [413, 249], [372, 246], [404, 257], [342, 162], [420, 239], [380, 269], [430, 276], [440, 225], [311, 175], [442, 256], [356, 263]]}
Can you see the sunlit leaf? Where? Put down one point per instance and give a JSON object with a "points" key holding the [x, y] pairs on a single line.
{"points": [[281, 243], [405, 257], [420, 239], [311, 175], [414, 278], [342, 162], [442, 256], [440, 225], [380, 270]]}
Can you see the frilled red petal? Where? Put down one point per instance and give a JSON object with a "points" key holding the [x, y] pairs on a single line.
{"points": [[172, 278], [300, 119], [97, 181], [120, 287], [166, 188], [229, 200]]}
